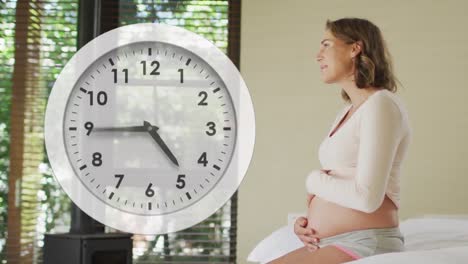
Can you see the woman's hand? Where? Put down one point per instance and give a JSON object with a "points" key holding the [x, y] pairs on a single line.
{"points": [[306, 235], [309, 199]]}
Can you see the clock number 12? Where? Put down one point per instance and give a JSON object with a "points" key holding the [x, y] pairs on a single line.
{"points": [[154, 71]]}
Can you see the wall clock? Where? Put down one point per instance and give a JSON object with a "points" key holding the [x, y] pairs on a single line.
{"points": [[149, 128]]}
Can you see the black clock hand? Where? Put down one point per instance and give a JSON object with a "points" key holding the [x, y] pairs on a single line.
{"points": [[152, 130], [123, 129]]}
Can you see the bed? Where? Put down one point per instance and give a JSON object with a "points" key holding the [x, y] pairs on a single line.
{"points": [[429, 239]]}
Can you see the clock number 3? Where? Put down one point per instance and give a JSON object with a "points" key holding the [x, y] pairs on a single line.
{"points": [[211, 126]]}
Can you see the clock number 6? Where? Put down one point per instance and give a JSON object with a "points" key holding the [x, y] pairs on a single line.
{"points": [[212, 128], [149, 192], [181, 181], [115, 75]]}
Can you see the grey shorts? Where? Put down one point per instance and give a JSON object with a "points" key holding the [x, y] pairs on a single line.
{"points": [[367, 242]]}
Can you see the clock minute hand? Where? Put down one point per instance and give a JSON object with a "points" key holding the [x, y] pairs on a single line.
{"points": [[152, 130], [122, 129]]}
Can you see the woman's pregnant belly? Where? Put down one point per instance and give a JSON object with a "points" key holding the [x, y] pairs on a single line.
{"points": [[329, 219]]}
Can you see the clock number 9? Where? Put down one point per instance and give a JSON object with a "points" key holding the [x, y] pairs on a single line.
{"points": [[181, 181], [154, 71], [88, 126], [115, 75], [149, 192], [212, 131], [97, 159], [205, 95]]}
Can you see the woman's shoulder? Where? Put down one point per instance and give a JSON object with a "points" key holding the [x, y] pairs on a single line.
{"points": [[391, 103], [387, 99]]}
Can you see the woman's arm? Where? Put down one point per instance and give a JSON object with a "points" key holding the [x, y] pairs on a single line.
{"points": [[380, 134]]}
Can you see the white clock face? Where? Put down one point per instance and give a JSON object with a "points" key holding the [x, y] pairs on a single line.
{"points": [[185, 104], [149, 128]]}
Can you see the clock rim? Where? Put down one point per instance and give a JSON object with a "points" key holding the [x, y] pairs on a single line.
{"points": [[137, 223]]}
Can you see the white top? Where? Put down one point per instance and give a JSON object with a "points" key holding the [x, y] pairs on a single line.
{"points": [[364, 154]]}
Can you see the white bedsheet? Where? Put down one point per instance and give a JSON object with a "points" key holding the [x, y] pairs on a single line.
{"points": [[451, 255], [429, 240]]}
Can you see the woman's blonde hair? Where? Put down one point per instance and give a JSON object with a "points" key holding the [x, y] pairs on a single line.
{"points": [[374, 63]]}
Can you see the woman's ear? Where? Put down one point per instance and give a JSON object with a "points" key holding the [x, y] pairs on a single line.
{"points": [[356, 48]]}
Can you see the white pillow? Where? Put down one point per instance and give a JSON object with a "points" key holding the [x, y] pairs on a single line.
{"points": [[421, 233], [436, 232], [277, 244]]}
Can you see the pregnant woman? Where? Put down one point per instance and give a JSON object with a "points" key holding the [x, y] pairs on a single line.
{"points": [[353, 200]]}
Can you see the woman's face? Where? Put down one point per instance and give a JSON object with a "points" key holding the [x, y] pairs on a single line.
{"points": [[335, 59]]}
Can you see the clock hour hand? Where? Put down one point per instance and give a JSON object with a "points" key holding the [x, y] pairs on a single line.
{"points": [[122, 129], [152, 130]]}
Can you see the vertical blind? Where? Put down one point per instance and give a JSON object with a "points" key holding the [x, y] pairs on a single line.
{"points": [[37, 38], [6, 46]]}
